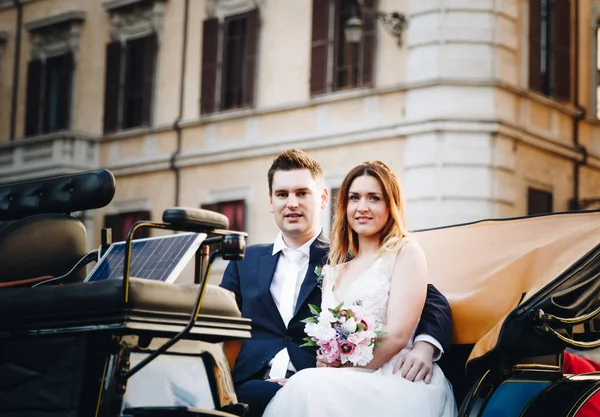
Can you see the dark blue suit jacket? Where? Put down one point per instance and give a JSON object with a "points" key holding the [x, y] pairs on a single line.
{"points": [[250, 280]]}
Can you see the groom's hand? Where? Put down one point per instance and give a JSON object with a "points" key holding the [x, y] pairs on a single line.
{"points": [[280, 381], [417, 364]]}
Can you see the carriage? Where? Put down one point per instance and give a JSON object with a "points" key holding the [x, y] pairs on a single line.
{"points": [[76, 343]]}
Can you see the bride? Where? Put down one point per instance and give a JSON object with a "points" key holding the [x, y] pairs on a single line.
{"points": [[387, 276]]}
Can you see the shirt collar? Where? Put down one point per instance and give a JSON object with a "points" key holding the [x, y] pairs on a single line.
{"points": [[279, 244]]}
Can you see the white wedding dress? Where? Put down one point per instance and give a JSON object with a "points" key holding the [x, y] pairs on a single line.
{"points": [[348, 391]]}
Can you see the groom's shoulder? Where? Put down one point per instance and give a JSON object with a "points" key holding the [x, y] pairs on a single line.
{"points": [[258, 249]]}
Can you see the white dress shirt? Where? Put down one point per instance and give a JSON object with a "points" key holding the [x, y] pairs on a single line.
{"points": [[285, 287]]}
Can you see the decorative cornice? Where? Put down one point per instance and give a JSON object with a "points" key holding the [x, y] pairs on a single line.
{"points": [[66, 18], [9, 4], [222, 8], [56, 35], [115, 5], [137, 18]]}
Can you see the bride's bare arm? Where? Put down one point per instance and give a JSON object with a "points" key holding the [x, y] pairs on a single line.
{"points": [[407, 297]]}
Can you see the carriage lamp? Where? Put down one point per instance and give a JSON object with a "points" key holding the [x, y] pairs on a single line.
{"points": [[394, 23]]}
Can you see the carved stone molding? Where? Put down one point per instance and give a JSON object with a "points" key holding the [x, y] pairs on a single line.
{"points": [[56, 35], [223, 8], [136, 19]]}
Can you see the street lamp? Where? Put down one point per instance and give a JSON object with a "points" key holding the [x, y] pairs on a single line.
{"points": [[394, 23]]}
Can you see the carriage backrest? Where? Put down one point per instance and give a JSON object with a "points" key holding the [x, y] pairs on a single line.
{"points": [[488, 268], [43, 239]]}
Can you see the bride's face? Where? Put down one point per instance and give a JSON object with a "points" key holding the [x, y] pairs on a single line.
{"points": [[367, 210]]}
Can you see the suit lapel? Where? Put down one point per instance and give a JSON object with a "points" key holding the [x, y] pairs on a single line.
{"points": [[318, 253], [266, 271]]}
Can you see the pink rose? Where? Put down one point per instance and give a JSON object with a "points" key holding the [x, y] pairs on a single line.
{"points": [[330, 350]]}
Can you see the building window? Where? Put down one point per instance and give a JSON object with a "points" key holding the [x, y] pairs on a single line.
{"points": [[229, 62], [550, 48], [49, 84], [538, 201], [129, 83], [335, 63], [120, 223], [235, 211]]}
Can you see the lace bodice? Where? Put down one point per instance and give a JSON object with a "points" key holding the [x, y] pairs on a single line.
{"points": [[371, 290]]}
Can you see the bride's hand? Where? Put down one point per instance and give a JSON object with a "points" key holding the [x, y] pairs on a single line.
{"points": [[322, 363], [417, 364]]}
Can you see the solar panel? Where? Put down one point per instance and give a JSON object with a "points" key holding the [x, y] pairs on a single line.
{"points": [[157, 258]]}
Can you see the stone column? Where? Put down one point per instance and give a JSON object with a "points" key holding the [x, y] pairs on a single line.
{"points": [[457, 168]]}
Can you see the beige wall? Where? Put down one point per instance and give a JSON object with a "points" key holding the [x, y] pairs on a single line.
{"points": [[452, 105]]}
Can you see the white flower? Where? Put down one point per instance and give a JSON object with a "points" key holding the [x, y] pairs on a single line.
{"points": [[327, 316], [320, 331], [350, 325]]}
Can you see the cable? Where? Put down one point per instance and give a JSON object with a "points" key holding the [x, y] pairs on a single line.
{"points": [[89, 257]]}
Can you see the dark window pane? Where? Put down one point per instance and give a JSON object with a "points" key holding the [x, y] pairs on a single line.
{"points": [[57, 92], [347, 55], [539, 201]]}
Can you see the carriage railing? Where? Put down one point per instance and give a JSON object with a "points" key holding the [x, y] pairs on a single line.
{"points": [[232, 246]]}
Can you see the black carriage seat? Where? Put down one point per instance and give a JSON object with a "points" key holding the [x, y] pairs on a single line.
{"points": [[101, 303], [43, 239]]}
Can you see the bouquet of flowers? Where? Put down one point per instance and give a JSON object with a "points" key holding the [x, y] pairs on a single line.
{"points": [[347, 334]]}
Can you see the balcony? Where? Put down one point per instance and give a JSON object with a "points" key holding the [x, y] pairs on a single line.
{"points": [[48, 155]]}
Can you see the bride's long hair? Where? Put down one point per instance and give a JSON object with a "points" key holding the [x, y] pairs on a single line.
{"points": [[344, 240]]}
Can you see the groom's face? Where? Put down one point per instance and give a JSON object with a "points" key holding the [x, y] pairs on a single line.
{"points": [[295, 202]]}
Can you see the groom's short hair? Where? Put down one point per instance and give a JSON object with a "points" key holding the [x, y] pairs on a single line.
{"points": [[293, 159]]}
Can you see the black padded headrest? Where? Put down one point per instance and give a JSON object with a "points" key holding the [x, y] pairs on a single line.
{"points": [[62, 194]]}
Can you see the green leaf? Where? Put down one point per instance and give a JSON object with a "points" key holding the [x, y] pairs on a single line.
{"points": [[360, 326], [308, 342], [316, 310], [339, 306], [380, 333], [349, 314], [309, 320]]}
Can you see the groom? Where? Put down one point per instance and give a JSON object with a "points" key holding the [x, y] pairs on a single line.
{"points": [[274, 284]]}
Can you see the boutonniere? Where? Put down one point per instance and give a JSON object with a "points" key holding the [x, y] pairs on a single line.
{"points": [[320, 272]]}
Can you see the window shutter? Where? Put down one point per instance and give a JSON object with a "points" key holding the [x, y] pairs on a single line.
{"points": [[535, 45], [148, 71], [120, 224], [210, 43], [562, 55], [369, 44], [250, 60], [113, 222], [112, 87], [319, 47], [66, 88], [34, 86]]}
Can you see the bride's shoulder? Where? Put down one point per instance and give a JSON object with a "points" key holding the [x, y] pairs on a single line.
{"points": [[407, 249]]}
